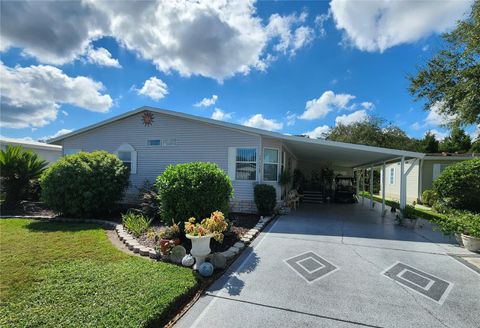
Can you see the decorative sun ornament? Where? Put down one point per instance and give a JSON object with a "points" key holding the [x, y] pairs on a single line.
{"points": [[147, 118]]}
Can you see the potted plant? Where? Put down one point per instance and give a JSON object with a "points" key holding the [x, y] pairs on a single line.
{"points": [[471, 231], [169, 237], [201, 233]]}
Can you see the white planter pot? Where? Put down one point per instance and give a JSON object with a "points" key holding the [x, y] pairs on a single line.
{"points": [[200, 248], [471, 243], [458, 238]]}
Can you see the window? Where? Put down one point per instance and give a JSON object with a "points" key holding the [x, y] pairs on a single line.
{"points": [[246, 164], [127, 154], [270, 164], [162, 142], [71, 151], [391, 176]]}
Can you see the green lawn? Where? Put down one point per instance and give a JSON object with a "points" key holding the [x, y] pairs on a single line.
{"points": [[69, 275], [419, 212]]}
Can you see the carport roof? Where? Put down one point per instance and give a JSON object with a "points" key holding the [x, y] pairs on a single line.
{"points": [[314, 150]]}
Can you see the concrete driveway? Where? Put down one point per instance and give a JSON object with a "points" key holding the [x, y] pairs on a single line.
{"points": [[342, 266]]}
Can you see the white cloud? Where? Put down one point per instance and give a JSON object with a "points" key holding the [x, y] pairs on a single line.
{"points": [[367, 105], [320, 22], [439, 135], [258, 121], [290, 38], [435, 118], [381, 24], [57, 134], [31, 96], [64, 112], [327, 102], [154, 88], [416, 126], [220, 115], [291, 118], [318, 132], [358, 116], [206, 102], [101, 57], [216, 39]]}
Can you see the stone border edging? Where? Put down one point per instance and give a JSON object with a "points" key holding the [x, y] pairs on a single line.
{"points": [[135, 247]]}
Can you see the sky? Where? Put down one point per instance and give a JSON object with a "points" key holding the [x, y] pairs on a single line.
{"points": [[291, 67]]}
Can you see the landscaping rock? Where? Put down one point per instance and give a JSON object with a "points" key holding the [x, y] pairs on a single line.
{"points": [[246, 240], [177, 254], [234, 249], [218, 260], [144, 251], [132, 245], [136, 248], [253, 231], [228, 254], [205, 269], [239, 245], [188, 260], [153, 254]]}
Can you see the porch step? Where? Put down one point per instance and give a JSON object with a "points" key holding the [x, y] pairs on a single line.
{"points": [[313, 197]]}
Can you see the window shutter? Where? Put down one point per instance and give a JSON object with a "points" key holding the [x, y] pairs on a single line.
{"points": [[134, 163], [232, 154], [436, 171]]}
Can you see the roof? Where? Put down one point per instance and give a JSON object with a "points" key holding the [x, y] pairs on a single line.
{"points": [[343, 154], [29, 144]]}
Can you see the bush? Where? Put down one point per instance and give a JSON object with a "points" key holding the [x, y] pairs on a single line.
{"points": [[135, 223], [192, 190], [265, 198], [148, 200], [409, 212], [429, 197], [19, 169], [459, 185], [460, 222], [85, 184]]}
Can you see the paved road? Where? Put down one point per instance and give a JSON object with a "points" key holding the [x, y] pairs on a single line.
{"points": [[343, 266]]}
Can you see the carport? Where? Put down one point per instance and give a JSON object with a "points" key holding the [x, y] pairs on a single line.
{"points": [[354, 159]]}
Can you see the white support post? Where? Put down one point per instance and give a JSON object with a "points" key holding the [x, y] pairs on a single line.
{"points": [[371, 186], [363, 187], [403, 184], [383, 189], [357, 175]]}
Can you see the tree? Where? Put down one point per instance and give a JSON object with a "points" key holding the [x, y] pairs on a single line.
{"points": [[475, 147], [429, 144], [450, 81], [17, 168], [372, 132], [457, 141]]}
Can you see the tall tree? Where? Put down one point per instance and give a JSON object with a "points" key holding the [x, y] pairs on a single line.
{"points": [[450, 81], [457, 141], [429, 143]]}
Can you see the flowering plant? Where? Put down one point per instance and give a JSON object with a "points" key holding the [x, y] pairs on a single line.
{"points": [[170, 232], [215, 226]]}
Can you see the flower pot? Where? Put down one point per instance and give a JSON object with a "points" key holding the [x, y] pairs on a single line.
{"points": [[458, 238], [165, 244], [471, 243], [200, 248]]}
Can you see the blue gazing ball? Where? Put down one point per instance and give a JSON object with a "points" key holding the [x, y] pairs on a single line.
{"points": [[205, 269]]}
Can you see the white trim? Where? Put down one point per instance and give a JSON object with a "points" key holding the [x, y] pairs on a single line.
{"points": [[29, 144], [246, 129], [263, 163], [232, 162]]}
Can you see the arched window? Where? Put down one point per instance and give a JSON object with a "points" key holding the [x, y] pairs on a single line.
{"points": [[127, 154]]}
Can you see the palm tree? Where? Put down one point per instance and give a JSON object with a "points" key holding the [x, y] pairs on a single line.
{"points": [[17, 168]]}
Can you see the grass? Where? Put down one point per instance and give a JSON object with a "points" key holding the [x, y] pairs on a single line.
{"points": [[57, 274], [419, 212]]}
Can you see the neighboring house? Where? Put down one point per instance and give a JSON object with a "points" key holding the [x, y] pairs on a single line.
{"points": [[421, 176], [149, 139], [47, 152]]}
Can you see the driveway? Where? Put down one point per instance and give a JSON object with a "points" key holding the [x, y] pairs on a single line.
{"points": [[342, 266]]}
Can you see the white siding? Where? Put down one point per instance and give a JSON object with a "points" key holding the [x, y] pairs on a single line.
{"points": [[195, 141], [392, 191]]}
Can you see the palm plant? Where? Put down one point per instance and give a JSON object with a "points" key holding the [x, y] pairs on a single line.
{"points": [[17, 168]]}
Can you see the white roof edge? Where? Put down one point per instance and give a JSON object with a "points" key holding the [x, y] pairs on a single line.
{"points": [[243, 128], [35, 144]]}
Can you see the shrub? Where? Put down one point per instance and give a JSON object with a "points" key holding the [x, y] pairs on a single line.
{"points": [[19, 169], [429, 197], [460, 222], [265, 198], [409, 212], [85, 184], [459, 185], [192, 190], [135, 223], [148, 200]]}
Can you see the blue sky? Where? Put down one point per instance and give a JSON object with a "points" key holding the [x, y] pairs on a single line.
{"points": [[291, 67]]}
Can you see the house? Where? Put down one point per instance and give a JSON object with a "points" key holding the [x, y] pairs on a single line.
{"points": [[47, 152], [149, 139], [420, 178]]}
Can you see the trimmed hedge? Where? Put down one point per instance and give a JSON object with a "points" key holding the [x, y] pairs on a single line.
{"points": [[265, 197], [459, 185], [192, 189], [85, 184]]}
